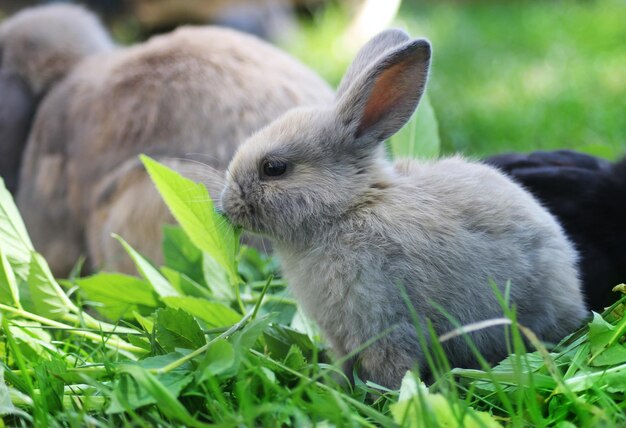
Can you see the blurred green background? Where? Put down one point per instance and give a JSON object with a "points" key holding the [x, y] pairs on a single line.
{"points": [[506, 76], [511, 75]]}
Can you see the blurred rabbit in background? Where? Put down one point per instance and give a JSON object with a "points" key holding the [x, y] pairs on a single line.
{"points": [[37, 50], [588, 197], [197, 92]]}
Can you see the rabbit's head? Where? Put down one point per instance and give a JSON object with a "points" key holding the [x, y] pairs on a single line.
{"points": [[312, 165], [38, 47], [42, 44]]}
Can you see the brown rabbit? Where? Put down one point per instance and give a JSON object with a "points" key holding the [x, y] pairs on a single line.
{"points": [[196, 92], [38, 47]]}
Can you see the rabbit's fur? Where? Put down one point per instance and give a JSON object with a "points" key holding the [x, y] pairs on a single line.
{"points": [[43, 44], [196, 92], [352, 229], [38, 48], [588, 197], [17, 107]]}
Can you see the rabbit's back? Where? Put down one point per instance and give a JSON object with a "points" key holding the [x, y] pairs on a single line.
{"points": [[483, 227], [195, 93], [443, 231], [199, 90]]}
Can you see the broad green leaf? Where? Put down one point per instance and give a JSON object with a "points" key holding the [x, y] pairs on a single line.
{"points": [[612, 356], [164, 397], [269, 374], [485, 380], [417, 407], [115, 295], [246, 338], [216, 278], [603, 348], [140, 342], [301, 323], [161, 361], [295, 359], [160, 285], [613, 378], [175, 328], [181, 254], [14, 240], [605, 342], [213, 313], [34, 342], [130, 394], [185, 285], [147, 323], [600, 333], [192, 207], [420, 136], [9, 293], [280, 338], [219, 359], [46, 294]]}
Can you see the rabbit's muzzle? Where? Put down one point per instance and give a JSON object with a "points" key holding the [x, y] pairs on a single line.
{"points": [[235, 207]]}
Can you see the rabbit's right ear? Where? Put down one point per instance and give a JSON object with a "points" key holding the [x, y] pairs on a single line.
{"points": [[382, 98], [370, 52]]}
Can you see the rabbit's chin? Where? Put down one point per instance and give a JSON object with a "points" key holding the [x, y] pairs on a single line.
{"points": [[253, 225], [241, 215]]}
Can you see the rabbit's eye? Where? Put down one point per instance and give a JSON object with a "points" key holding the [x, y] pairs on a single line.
{"points": [[273, 168]]}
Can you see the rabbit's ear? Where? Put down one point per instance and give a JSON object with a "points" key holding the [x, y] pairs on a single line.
{"points": [[370, 52], [382, 98], [16, 111]]}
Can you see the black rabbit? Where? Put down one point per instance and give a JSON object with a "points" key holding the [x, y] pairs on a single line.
{"points": [[588, 196]]}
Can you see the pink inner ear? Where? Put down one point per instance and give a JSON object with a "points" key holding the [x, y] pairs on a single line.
{"points": [[386, 94]]}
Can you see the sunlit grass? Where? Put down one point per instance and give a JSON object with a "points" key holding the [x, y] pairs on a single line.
{"points": [[505, 77], [189, 355], [512, 76]]}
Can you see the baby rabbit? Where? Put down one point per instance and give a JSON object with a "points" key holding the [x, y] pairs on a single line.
{"points": [[588, 197], [197, 92], [352, 229]]}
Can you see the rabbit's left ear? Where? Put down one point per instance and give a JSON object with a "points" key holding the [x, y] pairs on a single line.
{"points": [[383, 98], [17, 108], [369, 53]]}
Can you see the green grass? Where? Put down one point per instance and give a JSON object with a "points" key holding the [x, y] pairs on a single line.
{"points": [[510, 76], [212, 338]]}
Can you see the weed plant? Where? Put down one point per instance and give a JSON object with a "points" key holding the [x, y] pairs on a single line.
{"points": [[212, 337]]}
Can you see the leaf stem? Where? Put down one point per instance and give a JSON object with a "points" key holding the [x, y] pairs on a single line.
{"points": [[113, 343], [74, 373], [94, 324], [175, 364], [261, 296], [242, 307]]}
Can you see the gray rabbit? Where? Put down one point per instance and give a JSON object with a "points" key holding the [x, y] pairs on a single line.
{"points": [[352, 228], [194, 93]]}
